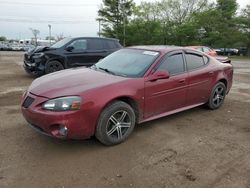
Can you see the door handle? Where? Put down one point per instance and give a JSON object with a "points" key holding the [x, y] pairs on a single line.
{"points": [[182, 81], [211, 73]]}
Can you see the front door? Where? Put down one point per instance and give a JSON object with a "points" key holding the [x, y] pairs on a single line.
{"points": [[77, 55], [167, 94]]}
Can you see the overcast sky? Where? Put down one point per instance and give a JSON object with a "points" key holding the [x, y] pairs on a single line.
{"points": [[70, 18]]}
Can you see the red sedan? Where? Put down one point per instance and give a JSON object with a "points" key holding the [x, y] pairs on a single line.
{"points": [[131, 86], [205, 49]]}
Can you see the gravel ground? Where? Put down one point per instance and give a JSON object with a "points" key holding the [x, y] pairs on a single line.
{"points": [[195, 148]]}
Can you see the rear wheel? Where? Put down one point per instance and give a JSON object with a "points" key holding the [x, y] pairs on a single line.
{"points": [[115, 123], [217, 96], [53, 66]]}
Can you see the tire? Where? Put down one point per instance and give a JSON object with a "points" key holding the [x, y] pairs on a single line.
{"points": [[115, 124], [217, 96], [53, 66]]}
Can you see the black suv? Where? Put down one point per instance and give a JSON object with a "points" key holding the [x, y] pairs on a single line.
{"points": [[68, 53]]}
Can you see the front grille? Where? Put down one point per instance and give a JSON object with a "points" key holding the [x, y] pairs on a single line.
{"points": [[28, 101]]}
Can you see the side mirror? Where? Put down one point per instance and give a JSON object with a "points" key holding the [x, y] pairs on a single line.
{"points": [[158, 75], [69, 48]]}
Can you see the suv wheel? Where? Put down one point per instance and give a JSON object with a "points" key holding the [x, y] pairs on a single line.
{"points": [[53, 66]]}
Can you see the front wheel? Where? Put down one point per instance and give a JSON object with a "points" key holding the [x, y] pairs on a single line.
{"points": [[115, 123], [53, 66], [217, 96]]}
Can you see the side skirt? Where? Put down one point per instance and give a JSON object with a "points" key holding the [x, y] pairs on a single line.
{"points": [[170, 112]]}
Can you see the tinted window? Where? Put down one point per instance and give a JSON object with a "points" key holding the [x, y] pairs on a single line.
{"points": [[199, 49], [110, 44], [194, 61], [95, 44], [60, 43], [173, 64], [206, 50], [79, 44]]}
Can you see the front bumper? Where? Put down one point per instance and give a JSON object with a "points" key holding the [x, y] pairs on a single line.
{"points": [[49, 122], [35, 67]]}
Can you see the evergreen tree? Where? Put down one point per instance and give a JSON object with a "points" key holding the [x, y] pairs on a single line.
{"points": [[113, 16]]}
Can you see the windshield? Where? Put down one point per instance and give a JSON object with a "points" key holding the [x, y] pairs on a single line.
{"points": [[61, 43], [128, 62]]}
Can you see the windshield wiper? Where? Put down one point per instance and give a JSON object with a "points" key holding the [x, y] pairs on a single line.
{"points": [[106, 70]]}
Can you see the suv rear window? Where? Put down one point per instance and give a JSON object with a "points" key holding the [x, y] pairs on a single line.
{"points": [[110, 44], [95, 44]]}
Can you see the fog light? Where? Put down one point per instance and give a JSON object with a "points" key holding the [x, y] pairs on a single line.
{"points": [[59, 131], [63, 131]]}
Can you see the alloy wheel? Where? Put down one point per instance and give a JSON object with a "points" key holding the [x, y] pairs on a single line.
{"points": [[219, 95], [118, 124]]}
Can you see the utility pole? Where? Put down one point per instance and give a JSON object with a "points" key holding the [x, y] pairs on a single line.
{"points": [[49, 34], [124, 23], [99, 21]]}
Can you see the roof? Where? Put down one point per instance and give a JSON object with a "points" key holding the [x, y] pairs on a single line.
{"points": [[94, 38], [159, 48]]}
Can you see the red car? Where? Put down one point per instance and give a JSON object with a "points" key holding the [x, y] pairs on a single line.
{"points": [[205, 49], [128, 87]]}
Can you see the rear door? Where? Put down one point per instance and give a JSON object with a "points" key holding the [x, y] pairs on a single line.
{"points": [[167, 94], [96, 50], [199, 77]]}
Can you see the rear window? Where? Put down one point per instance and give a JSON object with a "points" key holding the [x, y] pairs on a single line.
{"points": [[110, 44], [194, 61], [95, 44]]}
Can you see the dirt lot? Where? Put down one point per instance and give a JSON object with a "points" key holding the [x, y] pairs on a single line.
{"points": [[195, 148]]}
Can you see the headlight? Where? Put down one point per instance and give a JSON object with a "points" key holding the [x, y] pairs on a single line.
{"points": [[38, 55], [63, 104]]}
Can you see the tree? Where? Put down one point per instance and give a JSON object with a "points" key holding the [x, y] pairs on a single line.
{"points": [[3, 38], [113, 16], [59, 37], [244, 20], [227, 8], [35, 33]]}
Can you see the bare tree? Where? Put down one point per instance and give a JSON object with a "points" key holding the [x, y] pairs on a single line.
{"points": [[59, 37], [35, 33]]}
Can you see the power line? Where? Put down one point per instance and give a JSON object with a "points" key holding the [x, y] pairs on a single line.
{"points": [[15, 20], [48, 4]]}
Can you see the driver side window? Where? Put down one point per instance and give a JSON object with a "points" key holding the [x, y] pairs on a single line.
{"points": [[174, 64], [79, 44]]}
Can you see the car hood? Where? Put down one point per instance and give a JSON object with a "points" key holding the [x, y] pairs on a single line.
{"points": [[71, 82], [39, 49]]}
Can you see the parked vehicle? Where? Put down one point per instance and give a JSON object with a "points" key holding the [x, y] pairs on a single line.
{"points": [[227, 51], [17, 47], [68, 53], [132, 85], [4, 47], [205, 49], [28, 47], [242, 51]]}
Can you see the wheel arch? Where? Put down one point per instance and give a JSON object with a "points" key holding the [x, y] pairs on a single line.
{"points": [[130, 101], [58, 60], [224, 81]]}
